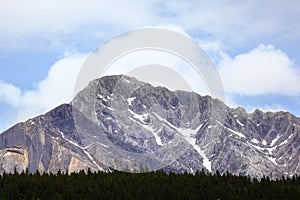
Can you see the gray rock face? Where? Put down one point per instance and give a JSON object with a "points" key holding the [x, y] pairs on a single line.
{"points": [[118, 122]]}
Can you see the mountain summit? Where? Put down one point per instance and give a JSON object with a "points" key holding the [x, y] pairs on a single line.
{"points": [[118, 122]]}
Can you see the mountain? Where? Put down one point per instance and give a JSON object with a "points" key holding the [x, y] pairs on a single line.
{"points": [[118, 122]]}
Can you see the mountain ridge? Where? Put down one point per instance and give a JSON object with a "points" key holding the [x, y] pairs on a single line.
{"points": [[136, 118]]}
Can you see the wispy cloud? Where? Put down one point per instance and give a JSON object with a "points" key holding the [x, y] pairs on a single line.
{"points": [[61, 23]]}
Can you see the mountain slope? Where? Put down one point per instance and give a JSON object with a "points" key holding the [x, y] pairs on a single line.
{"points": [[121, 123]]}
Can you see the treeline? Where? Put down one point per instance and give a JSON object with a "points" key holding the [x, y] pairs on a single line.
{"points": [[153, 185]]}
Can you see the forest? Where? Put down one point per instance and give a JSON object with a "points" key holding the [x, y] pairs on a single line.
{"points": [[151, 185]]}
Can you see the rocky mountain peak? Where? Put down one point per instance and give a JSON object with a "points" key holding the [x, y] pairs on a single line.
{"points": [[118, 122]]}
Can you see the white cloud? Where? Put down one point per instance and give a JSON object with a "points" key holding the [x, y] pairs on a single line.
{"points": [[263, 70], [55, 89], [66, 24], [172, 27], [9, 93], [54, 22], [213, 50], [237, 20]]}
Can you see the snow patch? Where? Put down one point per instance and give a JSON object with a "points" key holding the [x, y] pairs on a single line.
{"points": [[263, 149], [286, 141], [273, 160], [137, 116], [192, 171], [282, 143], [206, 162], [130, 100], [275, 140], [190, 136], [239, 122], [104, 145], [155, 132], [255, 141], [257, 147], [127, 81], [237, 133], [102, 97], [83, 148], [187, 132], [92, 159], [71, 142], [270, 149], [165, 121]]}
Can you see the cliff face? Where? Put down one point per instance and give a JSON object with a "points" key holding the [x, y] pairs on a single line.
{"points": [[38, 145], [120, 123]]}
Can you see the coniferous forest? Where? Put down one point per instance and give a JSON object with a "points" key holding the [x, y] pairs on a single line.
{"points": [[153, 185]]}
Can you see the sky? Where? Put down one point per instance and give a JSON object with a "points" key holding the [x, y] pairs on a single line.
{"points": [[254, 45]]}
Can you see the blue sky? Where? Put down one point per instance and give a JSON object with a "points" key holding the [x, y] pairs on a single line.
{"points": [[255, 46]]}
